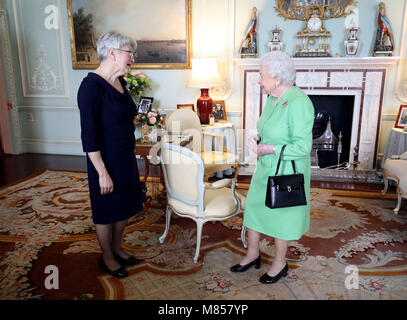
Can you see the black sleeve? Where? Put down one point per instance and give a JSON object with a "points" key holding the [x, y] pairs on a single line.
{"points": [[89, 103]]}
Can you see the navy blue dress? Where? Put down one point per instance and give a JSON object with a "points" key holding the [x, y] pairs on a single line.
{"points": [[107, 126]]}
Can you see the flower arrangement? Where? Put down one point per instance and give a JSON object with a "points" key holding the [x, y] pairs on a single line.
{"points": [[152, 118], [137, 83]]}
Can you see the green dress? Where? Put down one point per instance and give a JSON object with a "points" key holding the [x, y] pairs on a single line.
{"points": [[288, 123]]}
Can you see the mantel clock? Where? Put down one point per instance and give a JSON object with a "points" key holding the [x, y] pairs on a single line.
{"points": [[313, 40]]}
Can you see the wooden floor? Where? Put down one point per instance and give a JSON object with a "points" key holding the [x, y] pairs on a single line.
{"points": [[16, 167]]}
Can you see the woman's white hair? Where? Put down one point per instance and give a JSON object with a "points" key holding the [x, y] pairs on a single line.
{"points": [[114, 40], [280, 66]]}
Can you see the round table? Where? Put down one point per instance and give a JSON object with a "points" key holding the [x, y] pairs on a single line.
{"points": [[396, 143]]}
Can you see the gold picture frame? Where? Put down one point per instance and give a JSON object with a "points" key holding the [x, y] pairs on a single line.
{"points": [[188, 106], [151, 54], [401, 121]]}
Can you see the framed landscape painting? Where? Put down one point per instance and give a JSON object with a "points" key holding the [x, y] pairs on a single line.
{"points": [[162, 29]]}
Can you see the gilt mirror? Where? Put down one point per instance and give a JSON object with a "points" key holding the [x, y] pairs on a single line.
{"points": [[303, 9]]}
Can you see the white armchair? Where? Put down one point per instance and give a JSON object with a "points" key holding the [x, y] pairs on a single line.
{"points": [[395, 168], [190, 197], [182, 121]]}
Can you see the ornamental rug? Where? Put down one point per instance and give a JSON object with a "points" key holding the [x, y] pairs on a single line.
{"points": [[355, 249]]}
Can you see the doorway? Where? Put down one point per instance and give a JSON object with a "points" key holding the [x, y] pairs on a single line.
{"points": [[1, 148], [5, 146]]}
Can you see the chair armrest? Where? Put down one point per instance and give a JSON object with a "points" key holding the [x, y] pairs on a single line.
{"points": [[218, 184]]}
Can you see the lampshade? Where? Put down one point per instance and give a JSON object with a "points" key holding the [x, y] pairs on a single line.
{"points": [[204, 73]]}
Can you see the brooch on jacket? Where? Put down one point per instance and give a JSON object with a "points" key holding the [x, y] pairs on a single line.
{"points": [[285, 102]]}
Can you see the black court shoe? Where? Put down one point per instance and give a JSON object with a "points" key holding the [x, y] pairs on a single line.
{"points": [[240, 268], [265, 278], [130, 261], [119, 273]]}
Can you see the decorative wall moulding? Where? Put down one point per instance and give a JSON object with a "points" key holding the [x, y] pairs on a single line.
{"points": [[389, 117], [41, 49], [48, 108]]}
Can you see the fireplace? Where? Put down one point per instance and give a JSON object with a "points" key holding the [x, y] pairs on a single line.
{"points": [[335, 114], [355, 86]]}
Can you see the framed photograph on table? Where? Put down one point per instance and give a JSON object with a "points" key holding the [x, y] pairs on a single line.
{"points": [[186, 106], [162, 29], [401, 121], [145, 104], [219, 110]]}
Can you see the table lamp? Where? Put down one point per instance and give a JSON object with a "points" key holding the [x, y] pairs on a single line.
{"points": [[204, 75]]}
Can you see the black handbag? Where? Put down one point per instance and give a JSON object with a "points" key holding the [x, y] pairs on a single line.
{"points": [[285, 191], [144, 192]]}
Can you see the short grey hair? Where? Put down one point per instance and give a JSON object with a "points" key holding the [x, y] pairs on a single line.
{"points": [[114, 40], [280, 66]]}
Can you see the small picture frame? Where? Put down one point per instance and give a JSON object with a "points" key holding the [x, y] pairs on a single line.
{"points": [[401, 121], [186, 106], [145, 104], [219, 110]]}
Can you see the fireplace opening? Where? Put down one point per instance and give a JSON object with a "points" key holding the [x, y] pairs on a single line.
{"points": [[338, 111]]}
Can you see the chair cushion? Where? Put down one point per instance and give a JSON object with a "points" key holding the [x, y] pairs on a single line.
{"points": [[218, 203]]}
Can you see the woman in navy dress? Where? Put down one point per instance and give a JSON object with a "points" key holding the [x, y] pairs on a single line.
{"points": [[107, 131]]}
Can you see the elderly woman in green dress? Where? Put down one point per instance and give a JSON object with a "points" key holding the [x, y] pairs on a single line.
{"points": [[287, 119]]}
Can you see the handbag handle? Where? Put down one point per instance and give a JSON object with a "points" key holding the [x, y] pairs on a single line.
{"points": [[279, 160]]}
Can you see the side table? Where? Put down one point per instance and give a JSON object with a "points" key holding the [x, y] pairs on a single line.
{"points": [[396, 143], [143, 149], [152, 150]]}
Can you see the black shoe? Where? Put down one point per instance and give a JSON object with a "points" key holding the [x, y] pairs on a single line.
{"points": [[130, 261], [240, 268], [119, 273], [265, 278]]}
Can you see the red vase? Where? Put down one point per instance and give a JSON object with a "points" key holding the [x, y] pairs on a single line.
{"points": [[204, 106]]}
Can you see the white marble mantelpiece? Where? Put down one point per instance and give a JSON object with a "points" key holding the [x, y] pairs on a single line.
{"points": [[363, 78], [323, 63]]}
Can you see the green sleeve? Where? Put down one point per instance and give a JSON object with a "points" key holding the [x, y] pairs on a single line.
{"points": [[300, 123]]}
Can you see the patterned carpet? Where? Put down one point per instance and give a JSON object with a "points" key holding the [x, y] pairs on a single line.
{"points": [[355, 249]]}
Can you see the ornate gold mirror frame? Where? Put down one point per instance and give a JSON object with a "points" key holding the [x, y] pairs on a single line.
{"points": [[303, 9]]}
